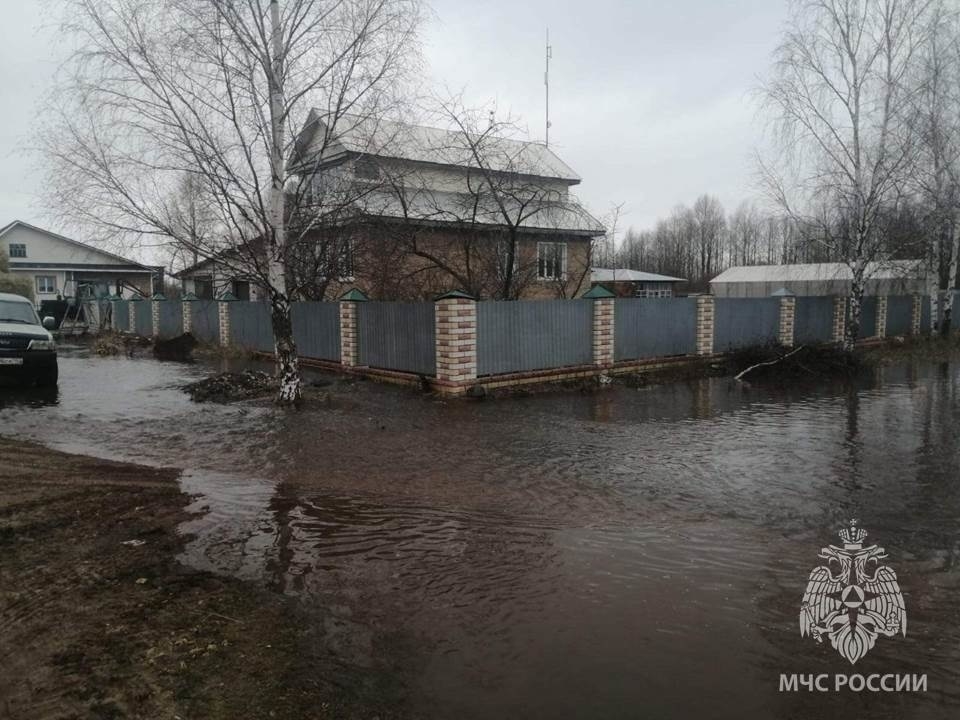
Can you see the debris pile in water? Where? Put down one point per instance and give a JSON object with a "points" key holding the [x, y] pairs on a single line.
{"points": [[230, 387], [179, 349], [774, 361], [115, 343]]}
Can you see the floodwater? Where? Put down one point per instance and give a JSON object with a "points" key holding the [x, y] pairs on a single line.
{"points": [[625, 553]]}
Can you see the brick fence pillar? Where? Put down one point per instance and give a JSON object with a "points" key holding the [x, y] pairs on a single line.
{"points": [[223, 312], [788, 313], [187, 308], [705, 316], [917, 314], [603, 325], [155, 313], [882, 316], [349, 347], [839, 317], [455, 318], [132, 314]]}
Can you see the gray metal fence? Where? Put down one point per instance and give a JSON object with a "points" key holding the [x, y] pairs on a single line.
{"points": [[171, 319], [654, 327], [745, 322], [533, 335], [397, 336], [205, 320], [143, 318], [813, 320], [955, 312], [121, 315], [250, 326], [899, 315], [316, 329]]}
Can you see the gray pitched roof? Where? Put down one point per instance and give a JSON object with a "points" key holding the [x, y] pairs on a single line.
{"points": [[625, 275], [888, 270], [9, 226], [420, 143]]}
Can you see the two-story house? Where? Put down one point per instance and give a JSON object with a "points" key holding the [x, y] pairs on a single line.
{"points": [[406, 211]]}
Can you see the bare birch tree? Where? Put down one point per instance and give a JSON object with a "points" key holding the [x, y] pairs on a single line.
{"points": [[217, 91], [936, 121], [840, 95]]}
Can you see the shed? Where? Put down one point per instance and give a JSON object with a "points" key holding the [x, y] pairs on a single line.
{"points": [[894, 277], [623, 282]]}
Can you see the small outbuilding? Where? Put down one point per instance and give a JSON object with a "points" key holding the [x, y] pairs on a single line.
{"points": [[634, 283], [895, 277]]}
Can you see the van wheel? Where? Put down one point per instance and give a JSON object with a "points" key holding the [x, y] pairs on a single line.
{"points": [[48, 377]]}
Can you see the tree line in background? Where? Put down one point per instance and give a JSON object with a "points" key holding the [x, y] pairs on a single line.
{"points": [[699, 242]]}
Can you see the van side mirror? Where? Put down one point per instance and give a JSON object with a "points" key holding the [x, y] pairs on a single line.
{"points": [[50, 323]]}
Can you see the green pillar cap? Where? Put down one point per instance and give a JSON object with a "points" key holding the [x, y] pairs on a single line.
{"points": [[598, 292], [227, 297], [354, 295], [136, 297], [454, 294], [159, 296], [114, 298], [189, 297]]}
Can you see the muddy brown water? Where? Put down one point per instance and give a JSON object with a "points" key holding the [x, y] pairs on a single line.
{"points": [[625, 553]]}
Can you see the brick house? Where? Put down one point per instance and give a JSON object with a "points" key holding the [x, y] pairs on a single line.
{"points": [[421, 211]]}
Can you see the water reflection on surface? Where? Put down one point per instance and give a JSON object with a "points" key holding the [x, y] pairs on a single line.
{"points": [[627, 553]]}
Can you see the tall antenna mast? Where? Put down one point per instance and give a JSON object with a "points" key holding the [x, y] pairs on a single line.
{"points": [[546, 83]]}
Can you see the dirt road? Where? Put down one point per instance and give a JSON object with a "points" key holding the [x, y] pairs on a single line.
{"points": [[99, 620]]}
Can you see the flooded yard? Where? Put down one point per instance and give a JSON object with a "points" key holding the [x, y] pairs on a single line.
{"points": [[621, 553]]}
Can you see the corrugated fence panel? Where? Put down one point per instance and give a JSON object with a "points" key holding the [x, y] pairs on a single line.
{"points": [[813, 321], [899, 315], [654, 327], [206, 321], [171, 319], [143, 318], [868, 316], [533, 335], [316, 329], [397, 336], [250, 326], [745, 322], [121, 315]]}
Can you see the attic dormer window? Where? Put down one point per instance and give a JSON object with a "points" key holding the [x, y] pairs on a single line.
{"points": [[366, 169], [18, 250]]}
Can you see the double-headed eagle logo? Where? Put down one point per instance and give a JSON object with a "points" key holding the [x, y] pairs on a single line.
{"points": [[847, 602]]}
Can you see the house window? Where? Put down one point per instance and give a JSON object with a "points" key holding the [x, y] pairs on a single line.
{"points": [[46, 284], [18, 250], [366, 169], [344, 261], [551, 261], [203, 287], [241, 289]]}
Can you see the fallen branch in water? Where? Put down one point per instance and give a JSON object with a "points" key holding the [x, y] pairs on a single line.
{"points": [[768, 362]]}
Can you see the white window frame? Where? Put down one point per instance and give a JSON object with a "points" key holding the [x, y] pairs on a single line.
{"points": [[18, 254], [563, 262], [53, 284]]}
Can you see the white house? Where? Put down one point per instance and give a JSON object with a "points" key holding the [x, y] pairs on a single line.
{"points": [[60, 266]]}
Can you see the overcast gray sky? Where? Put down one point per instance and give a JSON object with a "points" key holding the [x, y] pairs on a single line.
{"points": [[650, 100]]}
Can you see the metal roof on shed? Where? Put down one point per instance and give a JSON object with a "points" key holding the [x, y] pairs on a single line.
{"points": [[889, 270]]}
